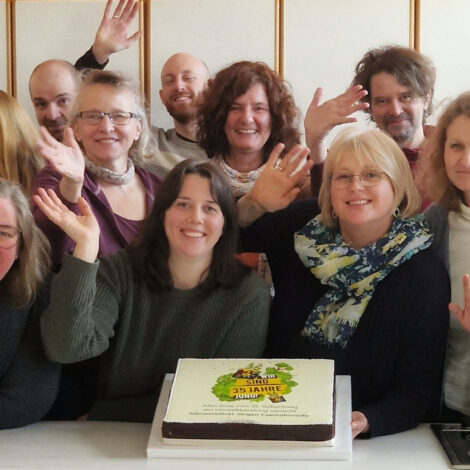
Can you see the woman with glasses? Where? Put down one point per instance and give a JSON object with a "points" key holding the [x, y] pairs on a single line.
{"points": [[101, 160], [357, 282], [28, 381]]}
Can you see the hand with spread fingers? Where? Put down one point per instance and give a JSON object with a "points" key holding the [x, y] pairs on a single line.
{"points": [[321, 118], [112, 35], [463, 315], [82, 229], [277, 185], [359, 423], [67, 159]]}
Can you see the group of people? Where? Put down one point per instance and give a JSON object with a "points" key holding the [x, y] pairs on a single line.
{"points": [[124, 258]]}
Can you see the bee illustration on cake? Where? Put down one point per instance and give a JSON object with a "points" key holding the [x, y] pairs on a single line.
{"points": [[251, 383]]}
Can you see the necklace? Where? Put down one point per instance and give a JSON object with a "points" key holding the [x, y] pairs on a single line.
{"points": [[111, 176]]}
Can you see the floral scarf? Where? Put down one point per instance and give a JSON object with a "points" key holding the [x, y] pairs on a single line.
{"points": [[352, 274]]}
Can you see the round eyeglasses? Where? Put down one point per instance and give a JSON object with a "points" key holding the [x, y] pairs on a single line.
{"points": [[116, 117], [367, 178], [9, 236]]}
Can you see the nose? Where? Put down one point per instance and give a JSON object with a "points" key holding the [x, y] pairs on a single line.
{"points": [[106, 125], [53, 111], [356, 182], [465, 161], [395, 107], [195, 215], [180, 83], [247, 114]]}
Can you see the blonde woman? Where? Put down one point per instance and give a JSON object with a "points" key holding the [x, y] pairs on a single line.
{"points": [[20, 160], [359, 284]]}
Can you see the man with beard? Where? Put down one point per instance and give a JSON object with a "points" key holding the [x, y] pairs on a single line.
{"points": [[184, 78], [395, 85], [54, 84]]}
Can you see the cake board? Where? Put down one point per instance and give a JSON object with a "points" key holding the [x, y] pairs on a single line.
{"points": [[341, 450]]}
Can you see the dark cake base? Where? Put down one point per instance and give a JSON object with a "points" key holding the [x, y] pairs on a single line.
{"points": [[245, 431]]}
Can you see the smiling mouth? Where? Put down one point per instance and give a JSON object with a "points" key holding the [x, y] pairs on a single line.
{"points": [[107, 141], [247, 131], [193, 234], [359, 202]]}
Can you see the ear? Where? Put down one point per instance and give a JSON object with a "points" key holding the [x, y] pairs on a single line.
{"points": [[161, 97], [76, 131], [138, 129], [426, 101]]}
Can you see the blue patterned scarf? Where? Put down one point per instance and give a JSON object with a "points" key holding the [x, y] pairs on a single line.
{"points": [[352, 274]]}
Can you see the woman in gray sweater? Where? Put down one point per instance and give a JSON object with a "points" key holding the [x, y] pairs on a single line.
{"points": [[177, 292]]}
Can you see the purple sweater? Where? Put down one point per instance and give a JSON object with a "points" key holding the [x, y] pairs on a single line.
{"points": [[116, 231]]}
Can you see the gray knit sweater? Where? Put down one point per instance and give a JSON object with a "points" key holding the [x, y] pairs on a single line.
{"points": [[99, 309]]}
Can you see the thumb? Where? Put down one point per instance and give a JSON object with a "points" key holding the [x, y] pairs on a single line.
{"points": [[318, 95]]}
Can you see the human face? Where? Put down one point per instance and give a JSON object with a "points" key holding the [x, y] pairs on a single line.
{"points": [[107, 144], [457, 155], [184, 78], [248, 123], [53, 91], [194, 222], [364, 213], [8, 219], [397, 110]]}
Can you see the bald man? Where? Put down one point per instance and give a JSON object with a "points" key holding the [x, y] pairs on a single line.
{"points": [[53, 87], [183, 80]]}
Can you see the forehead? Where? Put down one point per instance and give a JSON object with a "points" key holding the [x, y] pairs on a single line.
{"points": [[195, 186], [101, 97], [386, 84], [51, 81], [181, 64], [7, 213], [351, 159], [255, 93], [459, 127]]}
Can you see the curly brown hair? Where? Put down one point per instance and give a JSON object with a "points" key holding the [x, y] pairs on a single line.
{"points": [[411, 68], [234, 81]]}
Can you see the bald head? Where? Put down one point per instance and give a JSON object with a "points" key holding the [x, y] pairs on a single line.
{"points": [[184, 78], [53, 87]]}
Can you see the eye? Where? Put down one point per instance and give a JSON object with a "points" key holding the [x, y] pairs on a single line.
{"points": [[181, 204], [235, 107], [342, 177], [407, 97], [261, 108], [380, 101], [189, 78], [62, 101], [456, 146], [5, 235], [40, 104], [211, 209]]}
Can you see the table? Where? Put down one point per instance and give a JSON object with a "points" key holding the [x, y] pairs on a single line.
{"points": [[103, 445]]}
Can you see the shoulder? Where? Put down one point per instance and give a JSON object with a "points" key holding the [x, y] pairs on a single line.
{"points": [[424, 267], [248, 289], [149, 178], [435, 213]]}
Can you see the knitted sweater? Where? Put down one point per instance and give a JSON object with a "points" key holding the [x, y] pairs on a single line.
{"points": [[100, 309]]}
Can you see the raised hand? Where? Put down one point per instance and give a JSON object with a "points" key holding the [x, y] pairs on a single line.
{"points": [[463, 315], [112, 35], [320, 119], [83, 229], [67, 159], [277, 185]]}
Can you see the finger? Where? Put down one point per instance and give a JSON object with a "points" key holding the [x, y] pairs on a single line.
{"points": [[466, 292], [456, 310], [275, 154], [135, 9], [295, 157], [69, 139], [119, 8], [47, 138], [127, 9], [317, 96], [134, 37], [56, 200], [107, 11], [84, 207]]}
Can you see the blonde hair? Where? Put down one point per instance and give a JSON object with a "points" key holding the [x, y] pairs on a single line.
{"points": [[375, 147], [438, 185], [27, 275], [144, 147], [20, 160]]}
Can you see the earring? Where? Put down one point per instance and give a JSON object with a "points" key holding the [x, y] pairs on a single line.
{"points": [[396, 213]]}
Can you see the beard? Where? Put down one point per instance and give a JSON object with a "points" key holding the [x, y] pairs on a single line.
{"points": [[55, 127], [400, 134], [181, 113]]}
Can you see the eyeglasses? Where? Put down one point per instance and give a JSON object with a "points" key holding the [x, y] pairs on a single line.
{"points": [[117, 117], [367, 178], [9, 236]]}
